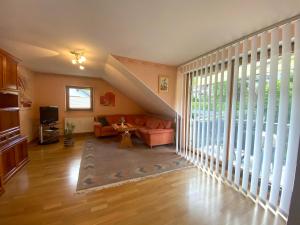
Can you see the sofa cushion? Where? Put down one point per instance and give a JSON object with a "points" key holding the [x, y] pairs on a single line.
{"points": [[167, 124], [161, 125], [155, 131], [139, 121], [152, 123], [103, 121], [129, 118]]}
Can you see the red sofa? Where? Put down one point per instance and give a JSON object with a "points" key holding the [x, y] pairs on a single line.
{"points": [[152, 130]]}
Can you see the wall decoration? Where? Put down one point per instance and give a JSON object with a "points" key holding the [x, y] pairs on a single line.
{"points": [[163, 84], [108, 99], [24, 98]]}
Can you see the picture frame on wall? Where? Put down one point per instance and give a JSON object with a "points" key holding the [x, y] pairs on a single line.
{"points": [[163, 84]]}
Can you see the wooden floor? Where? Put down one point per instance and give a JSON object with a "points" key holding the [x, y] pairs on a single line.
{"points": [[44, 193]]}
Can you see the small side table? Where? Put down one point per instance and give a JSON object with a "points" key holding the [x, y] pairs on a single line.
{"points": [[125, 130]]}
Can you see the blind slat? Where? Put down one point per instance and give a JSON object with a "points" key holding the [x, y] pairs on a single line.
{"points": [[213, 136], [207, 147], [240, 135], [188, 121], [250, 114], [271, 110], [282, 115], [199, 82], [184, 115], [220, 111], [259, 115], [233, 113], [203, 112], [294, 133], [225, 134]]}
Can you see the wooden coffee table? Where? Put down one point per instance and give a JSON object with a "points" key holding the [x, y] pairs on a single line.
{"points": [[125, 130]]}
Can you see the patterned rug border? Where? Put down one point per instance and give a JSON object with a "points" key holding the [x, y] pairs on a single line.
{"points": [[106, 186]]}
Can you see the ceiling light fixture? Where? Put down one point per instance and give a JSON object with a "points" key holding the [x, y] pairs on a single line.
{"points": [[79, 58]]}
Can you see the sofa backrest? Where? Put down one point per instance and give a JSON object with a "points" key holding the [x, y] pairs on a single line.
{"points": [[140, 120]]}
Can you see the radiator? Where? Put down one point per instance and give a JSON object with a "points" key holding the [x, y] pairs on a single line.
{"points": [[82, 124]]}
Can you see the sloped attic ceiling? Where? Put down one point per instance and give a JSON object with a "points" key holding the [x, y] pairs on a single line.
{"points": [[118, 76], [42, 33]]}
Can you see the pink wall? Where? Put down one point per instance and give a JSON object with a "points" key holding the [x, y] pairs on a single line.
{"points": [[49, 89], [27, 115], [149, 73]]}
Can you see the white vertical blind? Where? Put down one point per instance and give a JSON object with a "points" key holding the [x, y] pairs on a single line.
{"points": [[204, 113], [233, 113], [195, 114], [226, 116], [271, 109], [283, 115], [265, 89], [184, 115], [192, 118], [294, 133], [250, 114], [200, 110], [259, 115], [199, 83], [213, 133], [240, 136], [188, 125], [208, 114], [221, 84]]}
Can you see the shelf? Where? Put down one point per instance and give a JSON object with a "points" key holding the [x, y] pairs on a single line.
{"points": [[9, 91], [10, 109]]}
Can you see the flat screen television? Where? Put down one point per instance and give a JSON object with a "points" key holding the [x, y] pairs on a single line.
{"points": [[48, 114]]}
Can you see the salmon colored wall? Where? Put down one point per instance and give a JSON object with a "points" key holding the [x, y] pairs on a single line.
{"points": [[50, 90], [28, 124], [149, 73]]}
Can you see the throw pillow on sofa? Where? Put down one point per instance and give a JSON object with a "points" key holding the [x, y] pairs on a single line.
{"points": [[152, 123], [103, 121], [167, 124]]}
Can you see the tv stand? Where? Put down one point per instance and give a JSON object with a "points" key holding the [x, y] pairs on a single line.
{"points": [[49, 133]]}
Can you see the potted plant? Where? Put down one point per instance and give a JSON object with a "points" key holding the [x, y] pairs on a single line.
{"points": [[68, 134]]}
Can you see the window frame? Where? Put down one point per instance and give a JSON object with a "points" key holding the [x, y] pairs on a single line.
{"points": [[68, 108]]}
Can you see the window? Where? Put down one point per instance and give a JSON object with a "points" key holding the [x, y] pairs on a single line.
{"points": [[79, 98]]}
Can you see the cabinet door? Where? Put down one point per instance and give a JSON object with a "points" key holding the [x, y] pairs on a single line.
{"points": [[10, 75], [8, 162], [1, 70], [21, 152]]}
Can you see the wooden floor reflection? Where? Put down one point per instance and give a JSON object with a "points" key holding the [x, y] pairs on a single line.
{"points": [[44, 193]]}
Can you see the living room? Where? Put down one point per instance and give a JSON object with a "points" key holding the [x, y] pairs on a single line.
{"points": [[142, 112]]}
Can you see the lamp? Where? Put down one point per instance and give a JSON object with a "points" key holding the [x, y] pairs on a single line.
{"points": [[79, 58]]}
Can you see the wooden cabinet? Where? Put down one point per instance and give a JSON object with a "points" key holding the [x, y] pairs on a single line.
{"points": [[13, 146], [8, 72], [10, 77], [2, 61], [13, 156]]}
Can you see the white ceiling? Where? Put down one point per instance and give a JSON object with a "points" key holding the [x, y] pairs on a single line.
{"points": [[42, 33]]}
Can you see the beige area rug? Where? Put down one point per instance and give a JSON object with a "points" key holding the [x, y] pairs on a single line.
{"points": [[104, 165]]}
